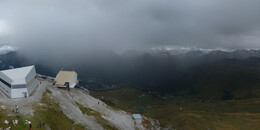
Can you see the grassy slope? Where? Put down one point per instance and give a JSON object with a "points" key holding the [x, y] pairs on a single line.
{"points": [[234, 114], [3, 117], [50, 113], [53, 116]]}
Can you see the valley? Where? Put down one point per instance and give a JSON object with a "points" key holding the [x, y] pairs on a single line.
{"points": [[129, 65], [180, 113], [222, 93]]}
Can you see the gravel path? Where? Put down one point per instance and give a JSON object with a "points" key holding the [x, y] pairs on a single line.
{"points": [[25, 104]]}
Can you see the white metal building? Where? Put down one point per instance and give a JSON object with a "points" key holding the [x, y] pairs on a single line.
{"points": [[19, 82], [138, 118], [64, 77]]}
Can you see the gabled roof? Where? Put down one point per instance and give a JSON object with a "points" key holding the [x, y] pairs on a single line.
{"points": [[18, 75], [137, 116]]}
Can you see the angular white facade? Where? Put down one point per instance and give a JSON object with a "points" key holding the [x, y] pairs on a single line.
{"points": [[19, 82]]}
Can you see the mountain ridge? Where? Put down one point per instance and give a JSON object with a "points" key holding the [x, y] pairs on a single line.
{"points": [[163, 73]]}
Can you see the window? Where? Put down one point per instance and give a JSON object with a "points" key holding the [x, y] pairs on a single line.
{"points": [[18, 86], [4, 82]]}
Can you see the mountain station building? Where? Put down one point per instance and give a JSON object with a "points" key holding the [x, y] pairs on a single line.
{"points": [[18, 82], [66, 79]]}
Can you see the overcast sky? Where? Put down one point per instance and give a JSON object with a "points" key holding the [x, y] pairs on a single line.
{"points": [[59, 26]]}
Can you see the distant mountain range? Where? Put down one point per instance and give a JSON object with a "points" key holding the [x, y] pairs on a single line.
{"points": [[215, 54], [197, 57], [213, 75]]}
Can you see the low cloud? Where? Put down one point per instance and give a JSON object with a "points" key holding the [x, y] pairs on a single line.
{"points": [[76, 28], [6, 49]]}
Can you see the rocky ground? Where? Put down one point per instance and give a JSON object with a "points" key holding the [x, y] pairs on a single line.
{"points": [[67, 101]]}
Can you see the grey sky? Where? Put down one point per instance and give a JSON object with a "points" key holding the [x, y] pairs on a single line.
{"points": [[59, 26]]}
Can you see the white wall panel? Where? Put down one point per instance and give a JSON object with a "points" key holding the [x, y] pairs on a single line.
{"points": [[19, 93], [32, 86]]}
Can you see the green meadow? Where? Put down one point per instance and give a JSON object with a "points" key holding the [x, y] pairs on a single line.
{"points": [[186, 114]]}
